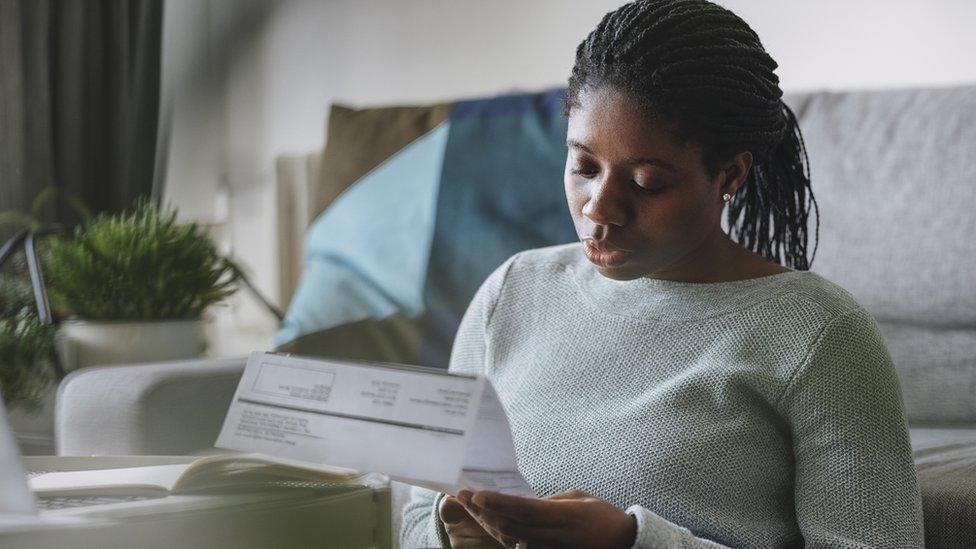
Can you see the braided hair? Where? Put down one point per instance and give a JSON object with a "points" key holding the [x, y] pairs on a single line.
{"points": [[701, 70]]}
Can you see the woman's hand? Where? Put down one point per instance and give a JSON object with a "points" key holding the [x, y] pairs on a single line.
{"points": [[566, 519], [464, 531]]}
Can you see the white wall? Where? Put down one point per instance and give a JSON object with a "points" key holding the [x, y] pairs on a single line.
{"points": [[271, 69], [395, 51]]}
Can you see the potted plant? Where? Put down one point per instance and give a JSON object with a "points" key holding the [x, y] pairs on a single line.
{"points": [[133, 287], [27, 375], [26, 347]]}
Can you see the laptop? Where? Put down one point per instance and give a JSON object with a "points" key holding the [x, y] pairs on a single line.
{"points": [[15, 496]]}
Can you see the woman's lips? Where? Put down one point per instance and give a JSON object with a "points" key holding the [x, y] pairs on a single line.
{"points": [[604, 256]]}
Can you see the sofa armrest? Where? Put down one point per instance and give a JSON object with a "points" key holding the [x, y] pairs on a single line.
{"points": [[165, 408]]}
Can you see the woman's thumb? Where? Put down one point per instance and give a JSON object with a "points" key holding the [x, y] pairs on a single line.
{"points": [[451, 511]]}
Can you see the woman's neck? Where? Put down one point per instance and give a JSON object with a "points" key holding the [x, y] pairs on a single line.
{"points": [[719, 259]]}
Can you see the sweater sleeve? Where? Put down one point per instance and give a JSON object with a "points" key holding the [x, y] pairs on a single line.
{"points": [[653, 532], [855, 478], [421, 525]]}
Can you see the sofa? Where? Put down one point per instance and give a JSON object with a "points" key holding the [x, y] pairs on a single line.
{"points": [[419, 203]]}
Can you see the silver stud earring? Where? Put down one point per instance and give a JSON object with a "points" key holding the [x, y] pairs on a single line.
{"points": [[726, 197]]}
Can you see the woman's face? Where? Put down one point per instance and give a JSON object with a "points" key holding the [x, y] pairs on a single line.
{"points": [[642, 201]]}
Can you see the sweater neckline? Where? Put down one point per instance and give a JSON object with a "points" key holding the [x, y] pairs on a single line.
{"points": [[670, 300]]}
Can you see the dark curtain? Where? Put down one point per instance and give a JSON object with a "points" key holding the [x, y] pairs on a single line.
{"points": [[79, 102]]}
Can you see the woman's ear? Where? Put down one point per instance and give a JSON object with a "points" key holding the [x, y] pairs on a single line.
{"points": [[733, 173]]}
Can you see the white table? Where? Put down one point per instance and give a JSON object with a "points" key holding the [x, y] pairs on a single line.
{"points": [[342, 517]]}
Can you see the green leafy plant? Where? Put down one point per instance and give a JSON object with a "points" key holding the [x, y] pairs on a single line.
{"points": [[26, 347], [137, 266]]}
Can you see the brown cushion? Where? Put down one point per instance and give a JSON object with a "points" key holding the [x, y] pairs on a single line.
{"points": [[358, 140]]}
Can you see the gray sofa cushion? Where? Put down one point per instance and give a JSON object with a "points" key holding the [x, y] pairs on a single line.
{"points": [[937, 368], [893, 176]]}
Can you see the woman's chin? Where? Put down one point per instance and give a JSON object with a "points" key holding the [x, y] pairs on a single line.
{"points": [[620, 273], [628, 270]]}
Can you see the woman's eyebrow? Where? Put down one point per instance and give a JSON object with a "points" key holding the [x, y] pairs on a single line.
{"points": [[574, 144]]}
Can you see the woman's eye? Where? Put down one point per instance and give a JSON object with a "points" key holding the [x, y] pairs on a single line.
{"points": [[590, 172], [646, 190], [583, 171]]}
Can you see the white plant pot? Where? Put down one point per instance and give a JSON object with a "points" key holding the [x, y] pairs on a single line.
{"points": [[83, 343]]}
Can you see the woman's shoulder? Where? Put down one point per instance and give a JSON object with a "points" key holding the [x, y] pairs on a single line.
{"points": [[826, 314], [815, 289], [557, 257], [530, 270]]}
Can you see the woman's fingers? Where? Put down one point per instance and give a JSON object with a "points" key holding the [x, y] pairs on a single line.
{"points": [[466, 531], [504, 538], [507, 529], [537, 512], [569, 494]]}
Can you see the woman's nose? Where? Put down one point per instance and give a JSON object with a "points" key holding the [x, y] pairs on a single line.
{"points": [[605, 204]]}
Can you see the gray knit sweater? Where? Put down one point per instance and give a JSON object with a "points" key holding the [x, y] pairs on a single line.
{"points": [[754, 413]]}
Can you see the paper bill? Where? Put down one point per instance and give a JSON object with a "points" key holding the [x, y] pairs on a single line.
{"points": [[422, 426]]}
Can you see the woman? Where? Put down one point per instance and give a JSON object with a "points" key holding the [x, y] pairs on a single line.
{"points": [[669, 386]]}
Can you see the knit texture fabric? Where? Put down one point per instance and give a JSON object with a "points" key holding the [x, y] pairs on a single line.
{"points": [[754, 413]]}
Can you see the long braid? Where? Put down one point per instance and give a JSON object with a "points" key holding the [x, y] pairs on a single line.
{"points": [[704, 69]]}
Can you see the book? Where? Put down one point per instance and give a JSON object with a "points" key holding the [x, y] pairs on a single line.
{"points": [[227, 472]]}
